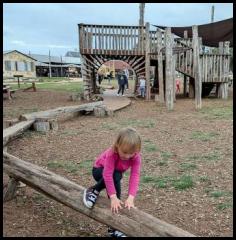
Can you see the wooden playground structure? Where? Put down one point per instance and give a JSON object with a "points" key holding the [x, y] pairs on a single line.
{"points": [[142, 48]]}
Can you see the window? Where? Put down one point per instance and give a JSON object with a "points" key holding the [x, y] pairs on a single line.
{"points": [[20, 66], [25, 66], [28, 66], [32, 67], [8, 65]]}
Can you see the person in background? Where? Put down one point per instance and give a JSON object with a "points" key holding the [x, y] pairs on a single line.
{"points": [[142, 86], [177, 86], [126, 71], [122, 81]]}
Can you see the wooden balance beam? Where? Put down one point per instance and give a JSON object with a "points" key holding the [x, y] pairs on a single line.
{"points": [[134, 222]]}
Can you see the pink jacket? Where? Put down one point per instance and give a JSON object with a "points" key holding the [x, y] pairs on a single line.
{"points": [[111, 161]]}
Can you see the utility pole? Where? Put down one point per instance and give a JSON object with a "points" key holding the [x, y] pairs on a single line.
{"points": [[50, 71], [212, 13], [141, 14], [61, 68]]}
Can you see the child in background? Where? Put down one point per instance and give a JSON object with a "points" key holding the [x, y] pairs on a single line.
{"points": [[142, 86], [108, 169], [177, 86]]}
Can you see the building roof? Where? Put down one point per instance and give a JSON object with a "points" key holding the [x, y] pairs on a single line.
{"points": [[65, 60], [10, 51], [40, 64], [72, 54]]}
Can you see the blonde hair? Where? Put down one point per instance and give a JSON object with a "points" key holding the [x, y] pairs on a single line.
{"points": [[128, 140]]}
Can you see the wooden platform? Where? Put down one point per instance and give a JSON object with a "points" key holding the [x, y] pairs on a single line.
{"points": [[113, 102]]}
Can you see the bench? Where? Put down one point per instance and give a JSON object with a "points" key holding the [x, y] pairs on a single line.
{"points": [[8, 91]]}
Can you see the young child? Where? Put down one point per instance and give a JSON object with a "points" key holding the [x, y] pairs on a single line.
{"points": [[108, 169], [142, 86]]}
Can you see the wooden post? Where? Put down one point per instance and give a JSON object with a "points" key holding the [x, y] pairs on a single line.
{"points": [[191, 88], [169, 77], [185, 85], [173, 71], [197, 68], [222, 90], [147, 62], [85, 80], [160, 67], [141, 23]]}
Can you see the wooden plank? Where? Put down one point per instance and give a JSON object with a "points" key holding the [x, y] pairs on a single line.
{"points": [[92, 63], [221, 51], [139, 65], [137, 61], [15, 130], [160, 67], [133, 222]]}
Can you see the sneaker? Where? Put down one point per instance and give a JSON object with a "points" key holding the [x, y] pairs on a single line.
{"points": [[90, 197], [115, 233], [117, 94], [123, 95]]}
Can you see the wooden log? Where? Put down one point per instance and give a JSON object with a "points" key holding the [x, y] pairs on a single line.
{"points": [[57, 111], [169, 76], [134, 222], [13, 131], [197, 68], [11, 122]]}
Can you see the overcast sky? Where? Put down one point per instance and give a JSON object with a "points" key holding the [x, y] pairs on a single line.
{"points": [[40, 27]]}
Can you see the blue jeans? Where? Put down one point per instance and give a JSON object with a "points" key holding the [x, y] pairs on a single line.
{"points": [[100, 185], [142, 91]]}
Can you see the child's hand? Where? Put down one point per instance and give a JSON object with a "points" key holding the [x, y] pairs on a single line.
{"points": [[115, 203], [130, 202]]}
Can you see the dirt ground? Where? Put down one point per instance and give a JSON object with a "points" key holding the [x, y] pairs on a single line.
{"points": [[180, 144]]}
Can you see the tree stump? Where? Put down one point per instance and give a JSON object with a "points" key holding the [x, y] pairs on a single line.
{"points": [[45, 124], [9, 192], [76, 97], [99, 111], [110, 113]]}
